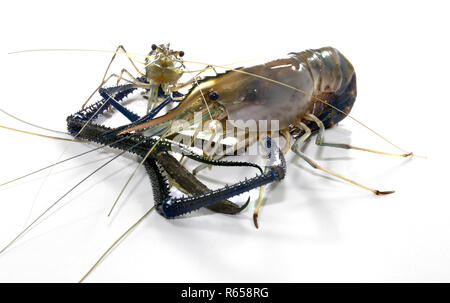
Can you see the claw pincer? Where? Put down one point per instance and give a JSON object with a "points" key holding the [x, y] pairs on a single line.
{"points": [[173, 207]]}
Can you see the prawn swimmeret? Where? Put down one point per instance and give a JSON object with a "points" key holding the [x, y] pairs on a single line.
{"points": [[292, 97]]}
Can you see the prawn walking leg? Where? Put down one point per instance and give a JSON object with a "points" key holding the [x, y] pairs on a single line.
{"points": [[296, 149], [133, 79], [320, 138], [193, 79], [284, 150], [129, 58], [104, 79]]}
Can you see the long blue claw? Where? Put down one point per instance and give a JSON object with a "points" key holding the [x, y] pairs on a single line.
{"points": [[173, 207], [113, 133], [106, 94]]}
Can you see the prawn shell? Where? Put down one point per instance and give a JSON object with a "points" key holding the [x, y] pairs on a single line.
{"points": [[248, 99]]}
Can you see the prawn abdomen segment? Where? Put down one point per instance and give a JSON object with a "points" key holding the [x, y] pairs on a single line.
{"points": [[342, 101], [334, 83]]}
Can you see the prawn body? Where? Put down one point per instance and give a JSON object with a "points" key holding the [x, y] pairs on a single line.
{"points": [[161, 66], [163, 69], [323, 74], [162, 72], [313, 87], [325, 81], [305, 93]]}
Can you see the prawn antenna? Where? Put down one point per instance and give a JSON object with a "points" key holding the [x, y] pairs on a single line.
{"points": [[34, 125], [115, 243], [64, 195], [135, 170], [59, 50], [59, 162], [40, 135]]}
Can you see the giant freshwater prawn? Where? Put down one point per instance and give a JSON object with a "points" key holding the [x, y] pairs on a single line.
{"points": [[305, 93]]}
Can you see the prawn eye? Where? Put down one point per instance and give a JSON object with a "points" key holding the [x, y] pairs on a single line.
{"points": [[154, 46], [213, 95], [181, 54], [251, 95]]}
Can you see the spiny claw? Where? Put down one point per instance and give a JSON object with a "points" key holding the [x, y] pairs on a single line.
{"points": [[227, 207], [245, 205], [378, 193]]}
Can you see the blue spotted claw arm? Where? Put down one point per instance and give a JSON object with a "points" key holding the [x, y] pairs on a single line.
{"points": [[107, 93], [173, 207]]}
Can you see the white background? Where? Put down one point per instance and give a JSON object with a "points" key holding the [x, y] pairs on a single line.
{"points": [[312, 227]]}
